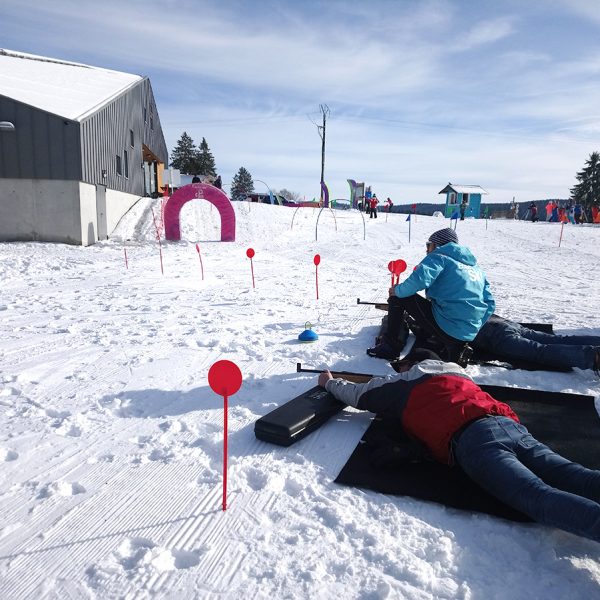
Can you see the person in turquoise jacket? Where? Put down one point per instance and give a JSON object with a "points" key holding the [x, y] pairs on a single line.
{"points": [[457, 300]]}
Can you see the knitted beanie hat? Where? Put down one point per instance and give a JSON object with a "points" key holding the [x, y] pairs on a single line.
{"points": [[443, 236]]}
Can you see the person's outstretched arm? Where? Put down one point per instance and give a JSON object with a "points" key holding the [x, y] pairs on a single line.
{"points": [[421, 278], [489, 300]]}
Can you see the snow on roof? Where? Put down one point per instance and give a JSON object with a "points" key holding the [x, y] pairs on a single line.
{"points": [[463, 189], [68, 89]]}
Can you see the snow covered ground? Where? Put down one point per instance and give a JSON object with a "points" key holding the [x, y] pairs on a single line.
{"points": [[111, 438]]}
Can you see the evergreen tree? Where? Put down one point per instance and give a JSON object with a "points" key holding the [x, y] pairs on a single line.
{"points": [[206, 161], [185, 155], [587, 191], [242, 185]]}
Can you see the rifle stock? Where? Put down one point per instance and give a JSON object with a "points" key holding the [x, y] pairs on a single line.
{"points": [[348, 375]]}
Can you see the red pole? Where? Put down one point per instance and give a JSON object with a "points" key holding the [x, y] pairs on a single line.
{"points": [[561, 232], [225, 409], [126, 263], [317, 262], [250, 254], [200, 257], [225, 378], [159, 244]]}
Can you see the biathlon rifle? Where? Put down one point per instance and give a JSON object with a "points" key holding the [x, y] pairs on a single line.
{"points": [[378, 305], [348, 375]]}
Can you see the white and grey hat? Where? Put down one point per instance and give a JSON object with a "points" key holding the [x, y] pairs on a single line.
{"points": [[443, 236]]}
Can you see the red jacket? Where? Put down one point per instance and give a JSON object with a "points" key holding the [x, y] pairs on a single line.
{"points": [[431, 407], [436, 409]]}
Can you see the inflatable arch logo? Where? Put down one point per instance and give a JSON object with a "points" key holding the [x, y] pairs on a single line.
{"points": [[199, 191]]}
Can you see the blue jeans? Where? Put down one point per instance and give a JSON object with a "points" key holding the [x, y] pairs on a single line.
{"points": [[506, 460], [510, 340]]}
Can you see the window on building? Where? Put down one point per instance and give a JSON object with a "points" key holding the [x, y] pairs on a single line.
{"points": [[452, 198], [131, 138], [119, 167], [145, 115], [151, 122], [126, 163]]}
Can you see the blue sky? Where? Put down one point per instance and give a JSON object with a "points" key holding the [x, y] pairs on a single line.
{"points": [[502, 94]]}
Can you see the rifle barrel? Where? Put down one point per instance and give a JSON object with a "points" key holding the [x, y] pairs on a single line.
{"points": [[349, 375], [379, 305]]}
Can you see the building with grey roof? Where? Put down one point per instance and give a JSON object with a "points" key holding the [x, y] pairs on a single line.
{"points": [[79, 145]]}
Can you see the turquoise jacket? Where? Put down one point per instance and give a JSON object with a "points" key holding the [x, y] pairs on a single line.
{"points": [[458, 289]]}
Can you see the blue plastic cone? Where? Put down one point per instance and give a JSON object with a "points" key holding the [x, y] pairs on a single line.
{"points": [[308, 335]]}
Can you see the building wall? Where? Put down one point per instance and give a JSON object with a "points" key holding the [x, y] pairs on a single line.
{"points": [[42, 146], [88, 224], [473, 206], [40, 209], [56, 211], [107, 134], [117, 204]]}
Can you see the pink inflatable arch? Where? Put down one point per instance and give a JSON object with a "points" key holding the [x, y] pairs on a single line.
{"points": [[200, 191]]}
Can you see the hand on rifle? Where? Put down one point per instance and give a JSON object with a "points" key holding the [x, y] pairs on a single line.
{"points": [[324, 377]]}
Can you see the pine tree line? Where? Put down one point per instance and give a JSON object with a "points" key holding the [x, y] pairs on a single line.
{"points": [[587, 191], [191, 160], [241, 185], [200, 162]]}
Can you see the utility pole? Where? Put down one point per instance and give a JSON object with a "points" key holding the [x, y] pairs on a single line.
{"points": [[321, 129]]}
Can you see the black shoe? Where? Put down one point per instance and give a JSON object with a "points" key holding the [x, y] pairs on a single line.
{"points": [[465, 356], [457, 353], [384, 350]]}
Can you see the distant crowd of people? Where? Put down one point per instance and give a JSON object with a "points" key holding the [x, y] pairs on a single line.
{"points": [[371, 202], [210, 179], [559, 212], [572, 212]]}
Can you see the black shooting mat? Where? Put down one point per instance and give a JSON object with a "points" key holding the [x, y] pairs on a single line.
{"points": [[567, 423]]}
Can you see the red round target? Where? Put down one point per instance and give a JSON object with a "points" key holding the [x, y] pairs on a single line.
{"points": [[225, 378]]}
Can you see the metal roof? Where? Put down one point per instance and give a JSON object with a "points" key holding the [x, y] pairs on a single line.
{"points": [[463, 189], [68, 89]]}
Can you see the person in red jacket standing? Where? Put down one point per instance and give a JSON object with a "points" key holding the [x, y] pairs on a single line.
{"points": [[440, 407], [374, 203]]}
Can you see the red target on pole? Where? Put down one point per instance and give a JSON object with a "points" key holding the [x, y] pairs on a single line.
{"points": [[317, 261], [225, 379], [250, 255], [399, 268], [391, 270]]}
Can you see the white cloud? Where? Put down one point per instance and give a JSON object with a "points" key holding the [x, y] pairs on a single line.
{"points": [[412, 108], [482, 33]]}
